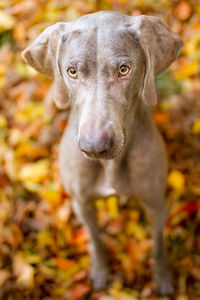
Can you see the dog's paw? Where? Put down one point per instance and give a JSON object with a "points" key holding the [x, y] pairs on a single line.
{"points": [[165, 287], [99, 277]]}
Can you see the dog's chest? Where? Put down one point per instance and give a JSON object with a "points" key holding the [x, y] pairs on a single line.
{"points": [[113, 180]]}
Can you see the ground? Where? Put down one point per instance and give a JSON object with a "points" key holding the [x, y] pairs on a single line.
{"points": [[43, 247]]}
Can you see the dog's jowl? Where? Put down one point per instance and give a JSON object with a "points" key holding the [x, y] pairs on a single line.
{"points": [[103, 67]]}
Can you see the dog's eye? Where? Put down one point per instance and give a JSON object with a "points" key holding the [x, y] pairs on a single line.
{"points": [[72, 72], [123, 70]]}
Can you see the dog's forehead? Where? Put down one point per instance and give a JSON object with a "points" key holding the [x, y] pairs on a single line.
{"points": [[99, 34], [101, 19]]}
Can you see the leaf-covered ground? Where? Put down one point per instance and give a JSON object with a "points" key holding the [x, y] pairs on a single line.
{"points": [[43, 247]]}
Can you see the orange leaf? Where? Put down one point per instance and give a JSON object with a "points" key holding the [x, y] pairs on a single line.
{"points": [[80, 237], [161, 117], [183, 10], [133, 250], [64, 264]]}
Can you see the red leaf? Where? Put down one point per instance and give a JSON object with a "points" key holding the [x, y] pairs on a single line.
{"points": [[80, 275], [79, 291]]}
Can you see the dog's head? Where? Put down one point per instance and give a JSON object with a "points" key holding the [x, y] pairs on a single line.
{"points": [[102, 64]]}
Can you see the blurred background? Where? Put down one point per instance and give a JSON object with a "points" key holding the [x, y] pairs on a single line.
{"points": [[43, 247]]}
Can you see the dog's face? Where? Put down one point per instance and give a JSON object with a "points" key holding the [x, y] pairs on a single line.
{"points": [[107, 62], [103, 70]]}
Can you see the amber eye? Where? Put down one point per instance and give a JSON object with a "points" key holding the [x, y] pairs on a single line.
{"points": [[123, 70], [72, 72]]}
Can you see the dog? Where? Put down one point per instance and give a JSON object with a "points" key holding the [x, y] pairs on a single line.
{"points": [[103, 67]]}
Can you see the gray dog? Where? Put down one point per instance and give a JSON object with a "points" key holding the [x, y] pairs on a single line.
{"points": [[103, 66]]}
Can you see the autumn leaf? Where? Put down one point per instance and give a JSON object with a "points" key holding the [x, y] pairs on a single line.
{"points": [[64, 264], [112, 205], [23, 271], [136, 230], [4, 276], [196, 127], [44, 249], [80, 237], [177, 181], [3, 121], [35, 172], [183, 10], [161, 117], [7, 22], [79, 291], [187, 70], [120, 295]]}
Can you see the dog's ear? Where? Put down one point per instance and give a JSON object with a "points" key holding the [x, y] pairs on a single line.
{"points": [[42, 55], [161, 47]]}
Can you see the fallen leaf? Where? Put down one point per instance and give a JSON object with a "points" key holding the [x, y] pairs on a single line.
{"points": [[80, 290], [177, 181], [4, 276], [80, 275], [119, 295], [183, 10], [64, 264], [161, 117], [187, 70], [196, 127], [35, 172], [23, 271], [112, 205], [136, 230], [7, 21], [3, 121]]}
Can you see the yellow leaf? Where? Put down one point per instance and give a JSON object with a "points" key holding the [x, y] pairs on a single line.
{"points": [[32, 186], [84, 262], [52, 196], [15, 136], [23, 271], [100, 203], [182, 297], [7, 22], [136, 230], [118, 295], [177, 181], [35, 172], [25, 70], [11, 165], [3, 121], [112, 205], [45, 238], [186, 71], [196, 127], [2, 69]]}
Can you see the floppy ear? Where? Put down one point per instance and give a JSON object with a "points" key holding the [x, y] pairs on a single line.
{"points": [[161, 47], [42, 55]]}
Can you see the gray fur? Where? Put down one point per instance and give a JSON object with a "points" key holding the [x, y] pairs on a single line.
{"points": [[111, 145]]}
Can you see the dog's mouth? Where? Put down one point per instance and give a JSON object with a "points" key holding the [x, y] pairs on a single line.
{"points": [[102, 155], [112, 153]]}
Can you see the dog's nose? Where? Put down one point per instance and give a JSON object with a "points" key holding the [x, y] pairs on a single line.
{"points": [[96, 146]]}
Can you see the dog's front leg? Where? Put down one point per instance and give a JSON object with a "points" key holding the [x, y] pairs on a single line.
{"points": [[99, 271], [157, 214]]}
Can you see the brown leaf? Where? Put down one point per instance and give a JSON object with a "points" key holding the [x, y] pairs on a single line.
{"points": [[4, 276]]}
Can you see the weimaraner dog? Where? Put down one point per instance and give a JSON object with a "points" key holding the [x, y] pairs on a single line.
{"points": [[103, 66]]}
